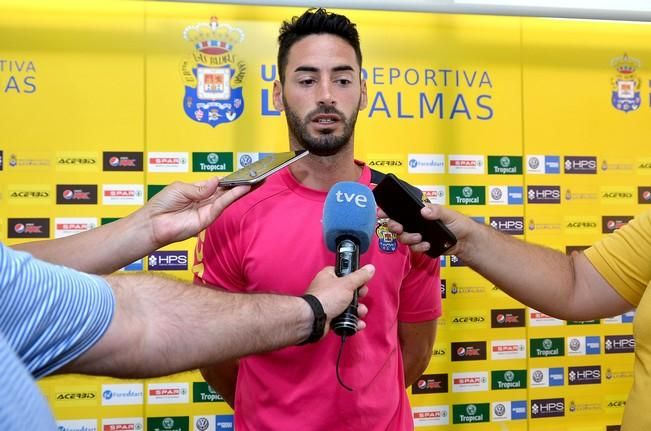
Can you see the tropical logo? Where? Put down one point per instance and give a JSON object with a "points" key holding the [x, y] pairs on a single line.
{"points": [[625, 84], [213, 75]]}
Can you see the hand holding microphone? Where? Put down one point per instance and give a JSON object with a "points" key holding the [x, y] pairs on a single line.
{"points": [[349, 217]]}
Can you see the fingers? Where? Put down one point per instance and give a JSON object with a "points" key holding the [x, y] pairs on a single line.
{"points": [[227, 198], [360, 277], [200, 190]]}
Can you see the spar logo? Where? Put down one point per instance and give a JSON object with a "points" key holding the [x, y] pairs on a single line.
{"points": [[430, 384], [76, 194], [508, 379], [470, 413], [122, 424], [537, 318], [70, 226], [589, 375], [546, 347], [580, 164], [504, 165], [434, 193], [470, 382], [547, 408], [167, 393], [123, 194], [431, 415], [468, 351], [619, 344], [507, 318], [508, 349], [28, 228], [129, 161], [167, 162], [466, 164]]}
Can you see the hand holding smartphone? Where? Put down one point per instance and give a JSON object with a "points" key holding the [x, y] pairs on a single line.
{"points": [[258, 171], [400, 204]]}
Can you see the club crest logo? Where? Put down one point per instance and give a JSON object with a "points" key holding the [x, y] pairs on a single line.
{"points": [[387, 240], [626, 84], [213, 75]]}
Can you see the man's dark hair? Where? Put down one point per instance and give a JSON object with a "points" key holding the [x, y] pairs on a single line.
{"points": [[315, 21]]}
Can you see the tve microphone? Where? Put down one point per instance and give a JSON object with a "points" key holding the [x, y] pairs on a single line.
{"points": [[349, 217]]}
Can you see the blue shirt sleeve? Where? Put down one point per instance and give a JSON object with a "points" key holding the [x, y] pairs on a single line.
{"points": [[50, 314]]}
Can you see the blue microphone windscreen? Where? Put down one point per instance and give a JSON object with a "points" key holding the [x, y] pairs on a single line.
{"points": [[349, 210]]}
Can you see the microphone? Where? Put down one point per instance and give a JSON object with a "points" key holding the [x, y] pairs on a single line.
{"points": [[349, 217]]}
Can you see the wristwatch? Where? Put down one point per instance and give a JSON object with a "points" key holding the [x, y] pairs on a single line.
{"points": [[318, 326]]}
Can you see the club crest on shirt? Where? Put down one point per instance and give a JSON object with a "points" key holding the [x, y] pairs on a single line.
{"points": [[213, 75], [387, 240]]}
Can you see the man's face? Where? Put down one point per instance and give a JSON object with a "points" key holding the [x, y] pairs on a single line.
{"points": [[322, 93]]}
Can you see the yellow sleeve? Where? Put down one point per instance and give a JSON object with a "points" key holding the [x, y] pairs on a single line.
{"points": [[623, 258]]}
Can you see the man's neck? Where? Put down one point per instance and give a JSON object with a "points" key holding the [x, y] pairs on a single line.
{"points": [[321, 173]]}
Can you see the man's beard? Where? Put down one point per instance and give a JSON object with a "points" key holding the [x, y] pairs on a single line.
{"points": [[324, 144]]}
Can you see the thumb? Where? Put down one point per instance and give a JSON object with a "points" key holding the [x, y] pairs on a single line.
{"points": [[360, 277]]}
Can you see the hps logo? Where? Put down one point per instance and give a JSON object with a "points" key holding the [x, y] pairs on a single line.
{"points": [[545, 408]]}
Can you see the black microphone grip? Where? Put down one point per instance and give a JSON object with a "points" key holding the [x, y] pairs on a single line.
{"points": [[347, 262]]}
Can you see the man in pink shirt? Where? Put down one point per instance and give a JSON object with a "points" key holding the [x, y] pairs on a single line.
{"points": [[271, 240]]}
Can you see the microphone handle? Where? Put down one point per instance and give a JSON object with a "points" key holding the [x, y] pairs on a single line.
{"points": [[347, 262]]}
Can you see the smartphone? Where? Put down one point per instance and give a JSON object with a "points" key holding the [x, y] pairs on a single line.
{"points": [[258, 171], [403, 205]]}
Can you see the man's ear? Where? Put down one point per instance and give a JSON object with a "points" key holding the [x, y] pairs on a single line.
{"points": [[278, 96], [363, 101]]}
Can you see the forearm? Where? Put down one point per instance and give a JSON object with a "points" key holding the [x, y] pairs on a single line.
{"points": [[535, 275], [416, 343], [98, 251], [166, 326], [223, 378]]}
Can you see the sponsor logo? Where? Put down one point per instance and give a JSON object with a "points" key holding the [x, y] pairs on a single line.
{"points": [[619, 344], [613, 427], [509, 225], [122, 394], [28, 228], [444, 289], [584, 406], [71, 194], [504, 165], [123, 194], [508, 379], [468, 351], [465, 164], [30, 160], [167, 393], [610, 224], [583, 322], [546, 408], [543, 194], [508, 349], [507, 318], [431, 415], [546, 347], [245, 159], [202, 392], [543, 164], [583, 345], [168, 423], [545, 225], [472, 320], [426, 163], [167, 162], [122, 424], [470, 413], [77, 425], [589, 375], [622, 318], [616, 375], [137, 265], [430, 384], [213, 73], [615, 404], [644, 195], [470, 382], [455, 261], [580, 225], [69, 226], [434, 194], [546, 377], [212, 162], [129, 161], [86, 397], [509, 410], [1, 160], [29, 194], [467, 195], [580, 164], [467, 290], [583, 194], [439, 353], [643, 166], [77, 161], [625, 84], [618, 166], [385, 162], [168, 261], [224, 422], [617, 195], [536, 318]]}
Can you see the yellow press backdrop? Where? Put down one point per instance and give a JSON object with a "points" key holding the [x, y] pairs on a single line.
{"points": [[537, 127]]}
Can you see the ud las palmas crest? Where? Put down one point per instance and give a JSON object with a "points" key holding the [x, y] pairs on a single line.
{"points": [[626, 84], [213, 75]]}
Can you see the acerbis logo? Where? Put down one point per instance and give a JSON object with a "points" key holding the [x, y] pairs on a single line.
{"points": [[430, 384], [71, 396], [545, 408], [619, 344], [544, 194], [468, 351], [507, 318], [589, 375], [509, 225], [131, 161], [580, 164]]}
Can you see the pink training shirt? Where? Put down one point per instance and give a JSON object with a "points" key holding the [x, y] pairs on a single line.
{"points": [[271, 240]]}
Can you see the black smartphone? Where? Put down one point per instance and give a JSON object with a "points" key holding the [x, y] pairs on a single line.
{"points": [[258, 171], [403, 205]]}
